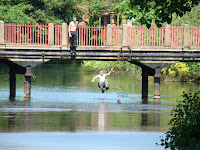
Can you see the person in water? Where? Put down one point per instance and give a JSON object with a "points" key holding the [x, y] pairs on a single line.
{"points": [[73, 26], [103, 82]]}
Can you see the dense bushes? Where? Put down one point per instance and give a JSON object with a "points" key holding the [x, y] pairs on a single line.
{"points": [[39, 11], [120, 66], [182, 71], [184, 133]]}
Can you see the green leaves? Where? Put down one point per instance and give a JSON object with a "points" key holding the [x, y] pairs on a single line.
{"points": [[161, 11], [120, 66], [183, 71], [39, 11], [185, 133], [16, 14]]}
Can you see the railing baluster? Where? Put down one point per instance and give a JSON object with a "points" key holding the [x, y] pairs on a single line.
{"points": [[56, 36], [96, 35], [12, 34], [198, 36], [89, 35]]}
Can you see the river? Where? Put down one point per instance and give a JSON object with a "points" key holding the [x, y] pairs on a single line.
{"points": [[68, 111]]}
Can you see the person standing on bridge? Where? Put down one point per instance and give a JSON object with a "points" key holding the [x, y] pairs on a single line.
{"points": [[103, 82], [73, 25]]}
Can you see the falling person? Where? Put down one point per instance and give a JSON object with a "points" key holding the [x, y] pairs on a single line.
{"points": [[103, 82]]}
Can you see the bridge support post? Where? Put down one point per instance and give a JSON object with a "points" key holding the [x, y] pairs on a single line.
{"points": [[144, 84], [27, 83], [51, 34], [125, 35], [1, 32], [12, 80], [64, 35], [157, 85], [109, 35], [123, 19], [167, 35], [186, 37]]}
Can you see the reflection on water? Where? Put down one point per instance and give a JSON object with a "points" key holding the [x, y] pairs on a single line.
{"points": [[64, 99], [101, 116], [72, 120]]}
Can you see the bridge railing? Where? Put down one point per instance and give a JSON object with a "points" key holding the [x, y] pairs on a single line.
{"points": [[110, 35], [57, 36], [194, 37], [114, 35], [141, 36], [25, 34], [91, 36], [176, 37]]}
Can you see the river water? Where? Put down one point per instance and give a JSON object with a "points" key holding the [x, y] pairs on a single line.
{"points": [[68, 111]]}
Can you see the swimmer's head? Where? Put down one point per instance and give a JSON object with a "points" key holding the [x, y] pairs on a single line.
{"points": [[101, 72]]}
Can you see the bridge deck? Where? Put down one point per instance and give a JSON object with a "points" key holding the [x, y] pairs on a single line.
{"points": [[99, 53]]}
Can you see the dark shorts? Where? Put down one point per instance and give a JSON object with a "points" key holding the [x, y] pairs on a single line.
{"points": [[103, 84]]}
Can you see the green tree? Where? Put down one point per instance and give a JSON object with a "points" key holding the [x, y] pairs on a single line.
{"points": [[183, 71], [191, 18], [185, 131], [160, 11], [16, 13], [120, 66], [95, 8], [39, 11]]}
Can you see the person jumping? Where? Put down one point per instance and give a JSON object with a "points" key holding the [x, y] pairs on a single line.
{"points": [[103, 82]]}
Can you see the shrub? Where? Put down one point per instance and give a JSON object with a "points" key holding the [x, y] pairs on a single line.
{"points": [[183, 71], [120, 66], [185, 131]]}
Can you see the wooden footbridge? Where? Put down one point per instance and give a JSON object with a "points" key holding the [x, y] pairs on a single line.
{"points": [[25, 46]]}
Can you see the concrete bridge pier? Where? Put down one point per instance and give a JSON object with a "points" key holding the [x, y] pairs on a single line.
{"points": [[144, 84], [14, 69], [157, 77], [27, 83], [12, 79], [146, 72], [22, 66]]}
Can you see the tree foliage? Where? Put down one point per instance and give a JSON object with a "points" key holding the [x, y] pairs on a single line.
{"points": [[183, 71], [160, 11], [95, 8], [39, 11], [119, 66], [58, 11], [191, 18], [185, 131]]}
